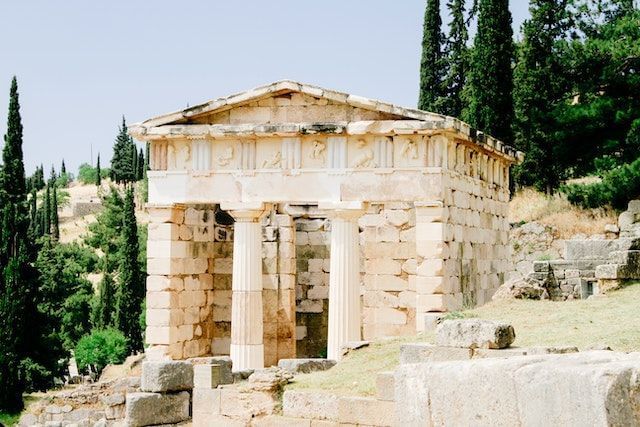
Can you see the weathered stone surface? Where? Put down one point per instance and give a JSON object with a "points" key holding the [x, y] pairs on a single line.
{"points": [[225, 363], [166, 376], [353, 345], [519, 288], [278, 421], [206, 376], [310, 405], [422, 352], [305, 366], [385, 386], [270, 379], [365, 411], [246, 404], [145, 409], [603, 386], [474, 333]]}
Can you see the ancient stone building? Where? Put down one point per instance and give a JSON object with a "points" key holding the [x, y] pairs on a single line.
{"points": [[294, 217]]}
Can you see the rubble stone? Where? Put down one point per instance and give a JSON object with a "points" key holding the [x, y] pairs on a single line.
{"points": [[167, 376], [474, 333], [145, 409]]}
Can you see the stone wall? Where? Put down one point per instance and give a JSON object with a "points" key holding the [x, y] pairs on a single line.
{"points": [[190, 263]]}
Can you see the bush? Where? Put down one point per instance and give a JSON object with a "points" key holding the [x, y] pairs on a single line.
{"points": [[100, 348], [617, 187], [87, 173]]}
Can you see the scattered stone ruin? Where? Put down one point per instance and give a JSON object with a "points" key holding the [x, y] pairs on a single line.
{"points": [[291, 219]]}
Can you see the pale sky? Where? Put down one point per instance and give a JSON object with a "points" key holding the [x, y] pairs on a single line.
{"points": [[82, 64]]}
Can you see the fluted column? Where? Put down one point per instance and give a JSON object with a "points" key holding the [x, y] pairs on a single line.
{"points": [[247, 347], [344, 281]]}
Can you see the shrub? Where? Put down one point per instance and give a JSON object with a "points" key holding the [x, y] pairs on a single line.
{"points": [[100, 348], [617, 187], [87, 173]]}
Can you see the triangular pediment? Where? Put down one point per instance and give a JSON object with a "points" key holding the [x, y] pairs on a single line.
{"points": [[289, 102]]}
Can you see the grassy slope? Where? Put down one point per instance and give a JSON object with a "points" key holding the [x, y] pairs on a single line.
{"points": [[612, 321]]}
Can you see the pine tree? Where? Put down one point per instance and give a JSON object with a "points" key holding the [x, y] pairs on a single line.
{"points": [[457, 60], [55, 223], [98, 172], [490, 84], [122, 167], [103, 315], [130, 292], [17, 285], [539, 86], [432, 65]]}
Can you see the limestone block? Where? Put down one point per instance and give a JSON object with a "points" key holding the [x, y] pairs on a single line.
{"points": [[158, 335], [396, 217], [159, 232], [269, 249], [206, 402], [408, 235], [431, 249], [305, 366], [165, 266], [223, 266], [302, 238], [393, 250], [164, 299], [438, 303], [474, 333], [165, 214], [432, 285], [318, 292], [315, 265], [279, 421], [410, 266], [516, 391], [431, 267], [371, 220], [310, 405], [382, 266], [430, 321], [287, 250], [423, 352], [310, 306], [224, 362], [365, 411], [391, 316], [246, 405], [385, 282], [385, 386], [157, 283], [185, 233], [206, 376], [144, 409], [431, 214], [166, 376]]}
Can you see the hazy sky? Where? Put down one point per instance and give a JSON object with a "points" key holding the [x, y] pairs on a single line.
{"points": [[82, 64]]}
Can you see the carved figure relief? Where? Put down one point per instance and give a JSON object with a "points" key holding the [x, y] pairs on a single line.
{"points": [[225, 158], [178, 158], [409, 149], [274, 162], [365, 158], [319, 151]]}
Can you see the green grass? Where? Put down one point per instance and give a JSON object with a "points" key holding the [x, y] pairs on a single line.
{"points": [[9, 419], [612, 320]]}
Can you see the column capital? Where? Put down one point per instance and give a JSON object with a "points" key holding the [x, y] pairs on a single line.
{"points": [[246, 212], [343, 210]]}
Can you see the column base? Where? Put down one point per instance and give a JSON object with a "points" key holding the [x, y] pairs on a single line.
{"points": [[247, 356]]}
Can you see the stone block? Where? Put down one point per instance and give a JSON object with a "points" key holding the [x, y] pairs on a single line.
{"points": [[306, 366], [431, 321], [365, 411], [385, 386], [474, 333], [423, 352], [244, 404], [224, 362], [206, 402], [522, 391], [279, 421], [145, 409], [310, 404], [166, 376], [206, 376]]}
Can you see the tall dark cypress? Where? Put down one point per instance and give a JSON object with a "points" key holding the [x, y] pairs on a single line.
{"points": [[122, 167], [134, 161], [490, 85], [63, 168], [53, 176], [457, 59], [46, 206], [17, 285], [432, 65], [104, 311], [55, 222], [98, 172], [141, 165], [130, 292]]}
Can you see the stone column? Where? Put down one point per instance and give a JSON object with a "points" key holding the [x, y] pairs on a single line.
{"points": [[247, 347], [344, 281]]}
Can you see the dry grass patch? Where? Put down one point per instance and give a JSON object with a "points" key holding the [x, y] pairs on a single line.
{"points": [[612, 320], [555, 211]]}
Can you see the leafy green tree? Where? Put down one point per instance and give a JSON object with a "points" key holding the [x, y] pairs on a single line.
{"points": [[18, 289], [122, 166], [540, 87], [100, 348], [457, 60], [130, 292], [490, 79], [432, 64]]}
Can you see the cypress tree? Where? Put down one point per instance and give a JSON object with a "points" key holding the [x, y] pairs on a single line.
{"points": [[141, 165], [55, 222], [457, 60], [33, 215], [17, 285], [130, 292], [63, 168], [47, 210], [490, 85], [539, 86], [122, 167], [104, 310], [53, 176], [134, 160], [432, 65], [98, 172]]}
